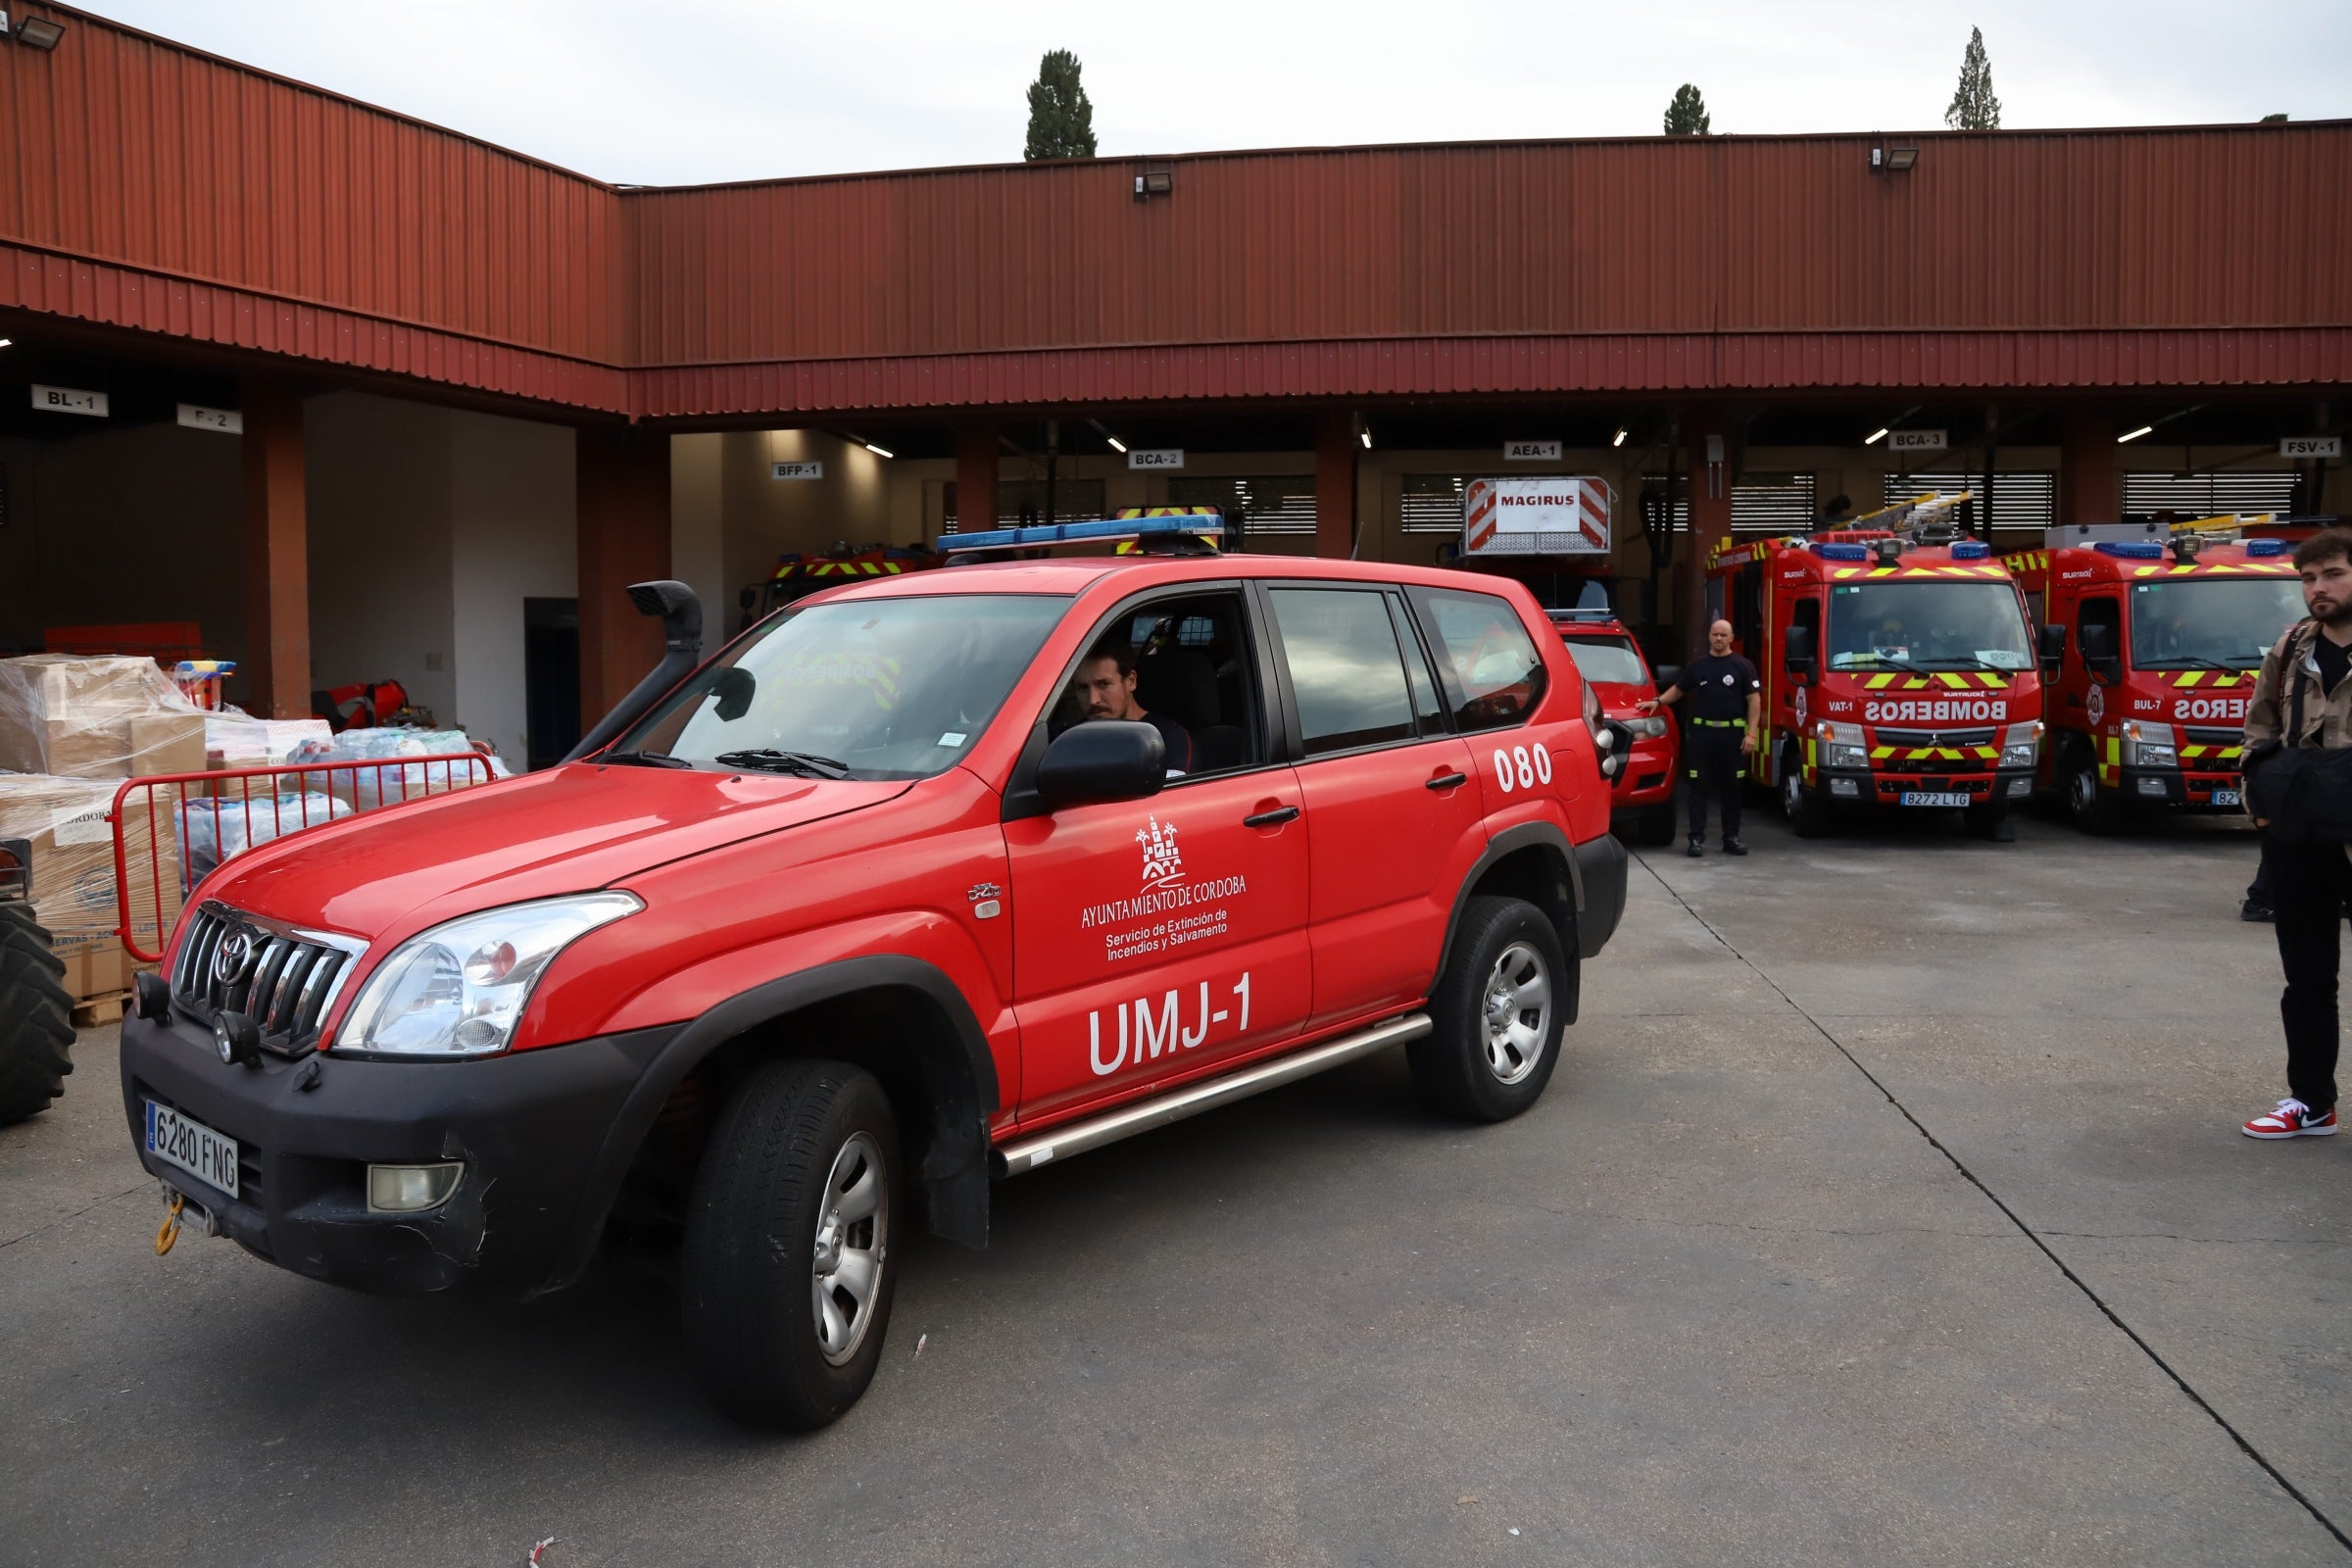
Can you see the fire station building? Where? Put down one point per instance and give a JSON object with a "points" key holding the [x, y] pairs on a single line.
{"points": [[349, 397]]}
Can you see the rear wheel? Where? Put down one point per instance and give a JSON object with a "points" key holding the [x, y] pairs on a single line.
{"points": [[786, 1274], [36, 1017], [1496, 1014], [2089, 806], [1808, 812]]}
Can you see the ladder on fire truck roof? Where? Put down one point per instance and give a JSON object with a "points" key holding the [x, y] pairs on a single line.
{"points": [[2147, 531]]}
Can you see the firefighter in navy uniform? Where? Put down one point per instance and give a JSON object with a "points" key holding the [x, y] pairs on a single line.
{"points": [[1718, 733]]}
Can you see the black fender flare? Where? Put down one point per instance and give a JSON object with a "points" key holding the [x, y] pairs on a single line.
{"points": [[1584, 911], [958, 1074]]}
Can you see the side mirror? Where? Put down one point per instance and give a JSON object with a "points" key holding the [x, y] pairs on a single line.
{"points": [[1105, 760], [1799, 649], [2052, 643], [1666, 676], [2097, 641]]}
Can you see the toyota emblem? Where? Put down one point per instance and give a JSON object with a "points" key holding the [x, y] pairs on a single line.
{"points": [[233, 959]]}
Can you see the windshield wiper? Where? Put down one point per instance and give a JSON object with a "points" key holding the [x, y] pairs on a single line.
{"points": [[1875, 661], [645, 759], [767, 759], [2199, 662]]}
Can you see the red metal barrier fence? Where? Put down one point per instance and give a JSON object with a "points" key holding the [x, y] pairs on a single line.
{"points": [[173, 830]]}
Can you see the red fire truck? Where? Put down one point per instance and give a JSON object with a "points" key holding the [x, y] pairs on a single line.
{"points": [[2163, 632], [1898, 668]]}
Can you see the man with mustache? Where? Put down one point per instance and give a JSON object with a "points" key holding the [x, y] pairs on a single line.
{"points": [[2309, 882]]}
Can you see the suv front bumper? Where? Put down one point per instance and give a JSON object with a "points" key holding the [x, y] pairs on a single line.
{"points": [[529, 1127]]}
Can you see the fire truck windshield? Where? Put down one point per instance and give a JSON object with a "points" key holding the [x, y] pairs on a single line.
{"points": [[1607, 659], [1927, 625], [2201, 622], [870, 688]]}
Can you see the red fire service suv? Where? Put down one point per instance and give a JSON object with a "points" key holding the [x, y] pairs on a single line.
{"points": [[1642, 796], [1898, 668], [917, 883], [2164, 630]]}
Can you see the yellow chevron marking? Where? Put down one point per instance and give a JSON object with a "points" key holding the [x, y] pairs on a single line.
{"points": [[1877, 683], [1951, 678]]}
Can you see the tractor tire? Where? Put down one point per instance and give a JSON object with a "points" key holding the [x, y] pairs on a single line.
{"points": [[36, 1017]]}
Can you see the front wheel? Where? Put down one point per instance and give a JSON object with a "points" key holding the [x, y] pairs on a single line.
{"points": [[2091, 810], [1496, 1014], [786, 1274], [1652, 825], [1807, 811]]}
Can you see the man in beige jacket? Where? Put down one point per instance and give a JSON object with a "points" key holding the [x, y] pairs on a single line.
{"points": [[2309, 882]]}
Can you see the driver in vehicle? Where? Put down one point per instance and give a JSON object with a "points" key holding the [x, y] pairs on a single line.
{"points": [[1106, 687]]}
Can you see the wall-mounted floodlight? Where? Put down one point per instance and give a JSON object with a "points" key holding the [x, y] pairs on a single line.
{"points": [[1875, 436], [40, 32], [2133, 435], [879, 452], [1892, 160], [1618, 439], [1153, 182]]}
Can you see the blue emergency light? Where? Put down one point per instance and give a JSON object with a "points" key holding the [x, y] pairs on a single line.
{"points": [[2130, 549], [1844, 552], [1110, 530], [2265, 546], [1970, 550]]}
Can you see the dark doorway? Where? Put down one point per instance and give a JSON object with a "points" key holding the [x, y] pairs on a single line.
{"points": [[551, 677]]}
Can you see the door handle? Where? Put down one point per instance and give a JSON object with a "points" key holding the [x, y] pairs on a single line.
{"points": [[1447, 781], [1274, 818]]}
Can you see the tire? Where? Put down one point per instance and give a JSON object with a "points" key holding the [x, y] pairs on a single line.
{"points": [[1809, 814], [36, 1017], [792, 1142], [1648, 825], [1498, 940], [2087, 806]]}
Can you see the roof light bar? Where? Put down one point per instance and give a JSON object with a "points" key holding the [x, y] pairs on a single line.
{"points": [[1207, 524]]}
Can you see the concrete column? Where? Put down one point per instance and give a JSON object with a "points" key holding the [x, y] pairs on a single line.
{"points": [[2086, 468], [623, 531], [1336, 449], [276, 658], [975, 478], [1711, 460]]}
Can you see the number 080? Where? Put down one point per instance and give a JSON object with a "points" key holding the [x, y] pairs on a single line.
{"points": [[1522, 768]]}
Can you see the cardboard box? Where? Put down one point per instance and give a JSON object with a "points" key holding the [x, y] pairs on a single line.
{"points": [[94, 969], [117, 717], [73, 889]]}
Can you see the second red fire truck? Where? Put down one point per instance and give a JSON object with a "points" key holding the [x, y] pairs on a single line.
{"points": [[1900, 669], [2163, 630]]}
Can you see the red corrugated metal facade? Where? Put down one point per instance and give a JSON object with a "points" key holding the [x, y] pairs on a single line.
{"points": [[154, 188]]}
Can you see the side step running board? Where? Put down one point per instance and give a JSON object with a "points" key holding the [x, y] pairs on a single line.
{"points": [[1028, 1154]]}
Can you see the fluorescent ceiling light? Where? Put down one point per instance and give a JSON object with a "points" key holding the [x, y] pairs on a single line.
{"points": [[1117, 445], [1618, 439], [1875, 436], [2133, 435], [6, 341], [1366, 436], [879, 452]]}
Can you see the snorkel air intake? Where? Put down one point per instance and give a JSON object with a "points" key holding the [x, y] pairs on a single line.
{"points": [[682, 641]]}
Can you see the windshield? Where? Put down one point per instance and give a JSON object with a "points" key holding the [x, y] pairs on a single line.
{"points": [[1927, 625], [887, 688], [1609, 658], [2199, 622]]}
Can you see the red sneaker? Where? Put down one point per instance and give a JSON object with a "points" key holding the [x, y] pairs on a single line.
{"points": [[2292, 1119]]}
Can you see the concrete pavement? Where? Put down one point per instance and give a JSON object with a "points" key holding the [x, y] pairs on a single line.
{"points": [[1881, 1186]]}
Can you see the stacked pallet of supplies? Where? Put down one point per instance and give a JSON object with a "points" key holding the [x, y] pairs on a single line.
{"points": [[71, 729]]}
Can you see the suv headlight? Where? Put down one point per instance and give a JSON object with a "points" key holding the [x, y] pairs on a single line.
{"points": [[2151, 744], [1841, 745], [459, 989], [1644, 726], [2021, 744]]}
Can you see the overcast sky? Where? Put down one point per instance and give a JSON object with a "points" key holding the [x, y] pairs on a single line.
{"points": [[683, 91]]}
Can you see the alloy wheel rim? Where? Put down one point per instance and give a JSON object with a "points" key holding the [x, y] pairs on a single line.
{"points": [[852, 1241], [1517, 1012]]}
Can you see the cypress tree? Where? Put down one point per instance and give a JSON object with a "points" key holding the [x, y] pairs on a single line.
{"points": [[1061, 117], [1973, 107], [1686, 115]]}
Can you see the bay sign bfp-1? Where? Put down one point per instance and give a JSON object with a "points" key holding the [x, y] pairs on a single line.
{"points": [[826, 934]]}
